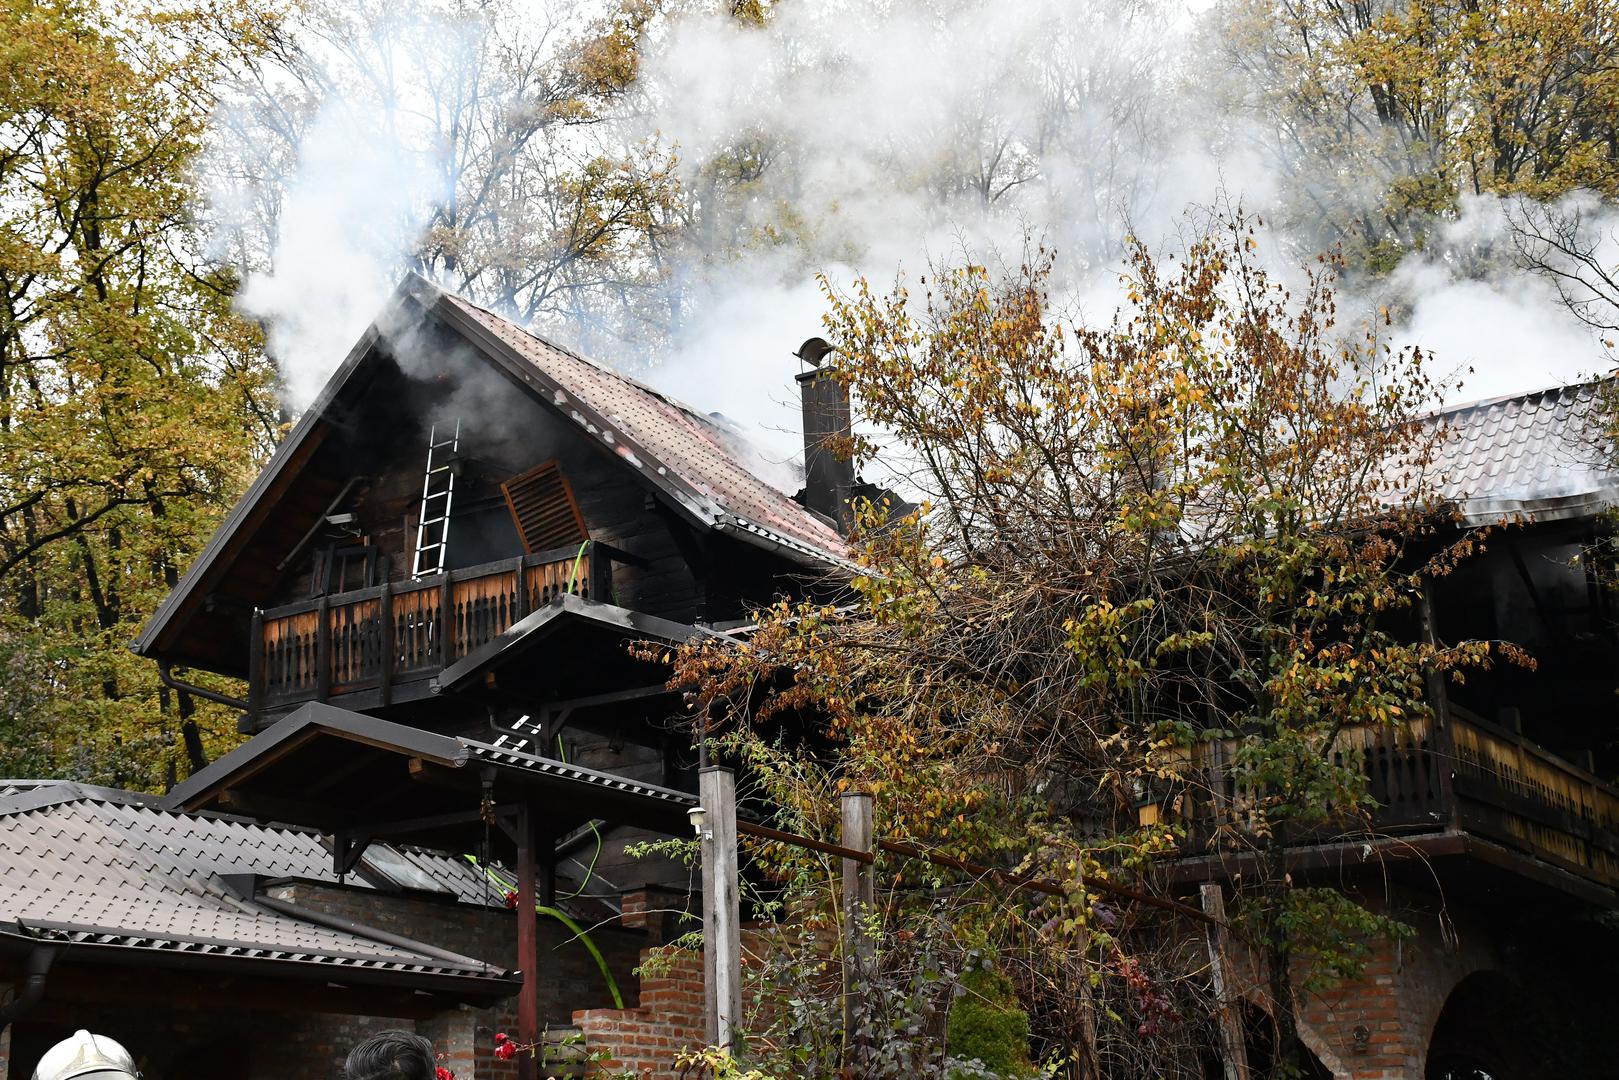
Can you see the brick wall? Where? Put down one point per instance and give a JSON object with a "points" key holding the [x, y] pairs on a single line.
{"points": [[1379, 1027], [646, 1041]]}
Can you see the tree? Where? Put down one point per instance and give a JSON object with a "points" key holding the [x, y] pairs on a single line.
{"points": [[1384, 113], [132, 402], [525, 196], [1206, 521]]}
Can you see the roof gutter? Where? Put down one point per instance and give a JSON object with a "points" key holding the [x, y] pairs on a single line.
{"points": [[349, 926], [36, 970]]}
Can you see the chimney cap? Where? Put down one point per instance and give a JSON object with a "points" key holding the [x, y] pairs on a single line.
{"points": [[813, 351]]}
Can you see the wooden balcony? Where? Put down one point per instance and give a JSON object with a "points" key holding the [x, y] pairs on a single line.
{"points": [[1467, 777], [379, 645]]}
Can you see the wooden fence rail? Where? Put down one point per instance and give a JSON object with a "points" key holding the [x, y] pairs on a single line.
{"points": [[1466, 775], [370, 639]]}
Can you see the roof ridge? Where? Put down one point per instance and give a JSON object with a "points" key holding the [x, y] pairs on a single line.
{"points": [[1524, 395], [569, 351]]}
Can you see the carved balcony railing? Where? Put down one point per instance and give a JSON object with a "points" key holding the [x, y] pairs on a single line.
{"points": [[379, 641], [1466, 776]]}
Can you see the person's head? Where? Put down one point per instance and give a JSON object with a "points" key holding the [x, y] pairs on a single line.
{"points": [[391, 1055], [83, 1056]]}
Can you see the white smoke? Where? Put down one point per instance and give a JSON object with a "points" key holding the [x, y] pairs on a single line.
{"points": [[897, 135], [353, 209], [1488, 323], [851, 138]]}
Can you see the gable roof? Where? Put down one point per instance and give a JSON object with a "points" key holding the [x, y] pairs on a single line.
{"points": [[688, 457], [678, 447], [1545, 455], [105, 869]]}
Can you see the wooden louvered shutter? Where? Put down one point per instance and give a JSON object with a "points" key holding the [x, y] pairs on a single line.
{"points": [[543, 509]]}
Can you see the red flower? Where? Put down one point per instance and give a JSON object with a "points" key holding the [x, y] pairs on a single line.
{"points": [[500, 1037], [444, 1074], [506, 1051], [511, 898]]}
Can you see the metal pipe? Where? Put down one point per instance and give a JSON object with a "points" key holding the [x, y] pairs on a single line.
{"points": [[36, 971], [197, 691]]}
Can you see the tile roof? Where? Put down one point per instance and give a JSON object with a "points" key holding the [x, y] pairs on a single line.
{"points": [[653, 431], [99, 867], [1543, 455]]}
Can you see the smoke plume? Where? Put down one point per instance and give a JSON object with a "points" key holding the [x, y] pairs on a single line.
{"points": [[849, 138]]}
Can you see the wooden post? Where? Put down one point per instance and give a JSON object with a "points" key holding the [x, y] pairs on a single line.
{"points": [[859, 901], [1233, 1050], [1441, 744], [722, 925], [446, 622], [520, 600], [323, 649], [385, 674], [528, 942], [255, 668]]}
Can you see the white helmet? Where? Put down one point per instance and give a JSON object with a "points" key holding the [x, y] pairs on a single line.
{"points": [[86, 1055]]}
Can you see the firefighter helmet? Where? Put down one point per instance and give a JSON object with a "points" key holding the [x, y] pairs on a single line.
{"points": [[84, 1056]]}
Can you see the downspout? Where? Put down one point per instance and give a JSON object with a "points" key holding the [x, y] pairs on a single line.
{"points": [[35, 972], [197, 691]]}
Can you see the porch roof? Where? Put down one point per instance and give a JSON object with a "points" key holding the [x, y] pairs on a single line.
{"points": [[359, 777]]}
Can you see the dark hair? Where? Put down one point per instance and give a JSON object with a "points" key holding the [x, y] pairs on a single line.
{"points": [[391, 1055]]}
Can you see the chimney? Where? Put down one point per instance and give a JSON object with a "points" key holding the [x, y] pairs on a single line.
{"points": [[828, 478]]}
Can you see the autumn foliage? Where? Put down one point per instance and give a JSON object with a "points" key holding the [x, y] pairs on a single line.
{"points": [[1209, 518]]}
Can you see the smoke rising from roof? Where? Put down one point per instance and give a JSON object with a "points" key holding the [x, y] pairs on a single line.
{"points": [[851, 138]]}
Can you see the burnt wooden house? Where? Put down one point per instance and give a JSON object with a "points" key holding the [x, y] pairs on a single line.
{"points": [[403, 552], [430, 594]]}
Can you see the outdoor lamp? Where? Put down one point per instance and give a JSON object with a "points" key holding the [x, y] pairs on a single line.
{"points": [[698, 817]]}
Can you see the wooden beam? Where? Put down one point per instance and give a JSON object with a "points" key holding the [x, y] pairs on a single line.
{"points": [[765, 832], [323, 650], [859, 901], [385, 615], [722, 926], [431, 772], [528, 940], [255, 804], [1233, 1049]]}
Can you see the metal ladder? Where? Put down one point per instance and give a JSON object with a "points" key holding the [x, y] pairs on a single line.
{"points": [[438, 493]]}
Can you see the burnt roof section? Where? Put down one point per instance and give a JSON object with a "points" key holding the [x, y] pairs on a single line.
{"points": [[106, 871], [1544, 455], [675, 446], [689, 459]]}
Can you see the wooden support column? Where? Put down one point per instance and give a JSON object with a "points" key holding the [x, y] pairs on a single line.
{"points": [[859, 901], [528, 940], [256, 678], [722, 923], [446, 621], [1233, 1050], [385, 643], [1441, 744], [520, 594], [323, 649]]}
